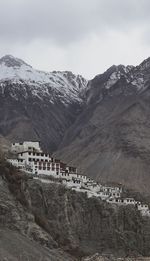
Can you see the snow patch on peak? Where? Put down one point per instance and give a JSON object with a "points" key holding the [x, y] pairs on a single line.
{"points": [[114, 77], [128, 68], [145, 64], [66, 85], [139, 83], [11, 61], [119, 71]]}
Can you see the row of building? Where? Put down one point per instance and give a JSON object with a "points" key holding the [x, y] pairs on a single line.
{"points": [[29, 157]]}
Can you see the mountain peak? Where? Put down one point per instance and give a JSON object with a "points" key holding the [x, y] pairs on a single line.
{"points": [[11, 61], [145, 64]]}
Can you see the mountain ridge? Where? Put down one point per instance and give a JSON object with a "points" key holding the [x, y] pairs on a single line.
{"points": [[101, 125], [110, 139], [37, 105]]}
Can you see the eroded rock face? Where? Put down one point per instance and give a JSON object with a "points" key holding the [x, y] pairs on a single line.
{"points": [[21, 238], [56, 218], [83, 226], [14, 216]]}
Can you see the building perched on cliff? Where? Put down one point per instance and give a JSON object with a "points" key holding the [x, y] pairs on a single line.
{"points": [[26, 146], [29, 157]]}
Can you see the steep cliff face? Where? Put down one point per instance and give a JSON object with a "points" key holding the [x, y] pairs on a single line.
{"points": [[84, 226], [21, 238], [57, 218]]}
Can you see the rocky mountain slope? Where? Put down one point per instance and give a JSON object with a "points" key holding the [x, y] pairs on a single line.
{"points": [[48, 221], [37, 105], [100, 126], [110, 140]]}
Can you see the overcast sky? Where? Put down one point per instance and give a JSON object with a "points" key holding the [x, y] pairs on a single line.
{"points": [[83, 36]]}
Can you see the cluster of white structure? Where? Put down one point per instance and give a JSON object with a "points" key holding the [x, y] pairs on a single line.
{"points": [[29, 157]]}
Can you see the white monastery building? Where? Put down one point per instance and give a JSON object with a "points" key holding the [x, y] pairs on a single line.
{"points": [[29, 157], [26, 146]]}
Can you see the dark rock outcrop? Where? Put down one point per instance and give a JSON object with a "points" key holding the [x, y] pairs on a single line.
{"points": [[21, 238], [57, 218]]}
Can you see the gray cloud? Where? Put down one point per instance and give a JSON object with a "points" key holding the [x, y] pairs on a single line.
{"points": [[77, 28], [66, 21]]}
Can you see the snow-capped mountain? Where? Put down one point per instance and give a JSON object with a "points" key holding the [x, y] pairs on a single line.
{"points": [[126, 80], [66, 85], [36, 104], [104, 83], [94, 124], [110, 140]]}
